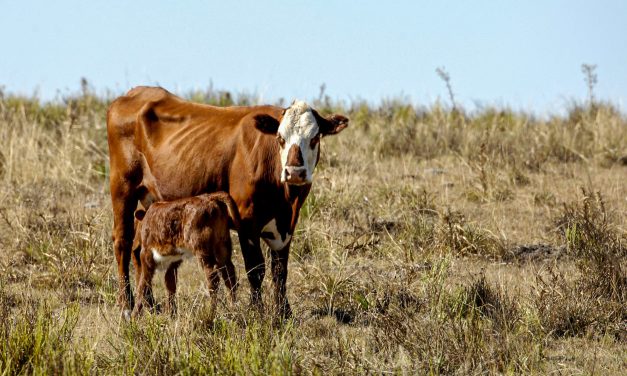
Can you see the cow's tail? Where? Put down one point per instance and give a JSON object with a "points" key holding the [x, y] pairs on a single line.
{"points": [[231, 207]]}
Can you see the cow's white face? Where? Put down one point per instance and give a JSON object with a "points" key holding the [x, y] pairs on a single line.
{"points": [[298, 133], [299, 139]]}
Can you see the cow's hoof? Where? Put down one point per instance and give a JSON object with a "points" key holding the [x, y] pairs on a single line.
{"points": [[126, 314]]}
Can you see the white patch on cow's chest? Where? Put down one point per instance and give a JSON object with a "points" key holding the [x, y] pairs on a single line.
{"points": [[270, 234], [164, 262]]}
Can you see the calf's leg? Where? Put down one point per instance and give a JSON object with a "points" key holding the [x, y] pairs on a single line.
{"points": [[230, 279], [227, 268], [213, 278], [171, 276], [145, 282], [136, 258]]}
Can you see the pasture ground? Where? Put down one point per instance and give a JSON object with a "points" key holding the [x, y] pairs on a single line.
{"points": [[434, 241]]}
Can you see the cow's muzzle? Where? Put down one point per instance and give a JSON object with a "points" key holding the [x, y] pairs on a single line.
{"points": [[295, 175]]}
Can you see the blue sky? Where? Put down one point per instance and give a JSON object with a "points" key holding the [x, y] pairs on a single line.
{"points": [[526, 54]]}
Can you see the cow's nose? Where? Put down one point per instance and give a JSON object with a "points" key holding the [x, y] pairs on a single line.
{"points": [[295, 175]]}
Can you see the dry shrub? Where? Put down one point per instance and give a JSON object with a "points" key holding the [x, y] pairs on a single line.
{"points": [[595, 302], [491, 303], [600, 248], [569, 308], [473, 329], [458, 236]]}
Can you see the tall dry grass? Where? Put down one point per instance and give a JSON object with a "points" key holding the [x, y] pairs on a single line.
{"points": [[434, 241]]}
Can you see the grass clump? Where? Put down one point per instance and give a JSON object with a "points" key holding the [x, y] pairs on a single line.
{"points": [[39, 340], [599, 246], [470, 329], [462, 238], [595, 302]]}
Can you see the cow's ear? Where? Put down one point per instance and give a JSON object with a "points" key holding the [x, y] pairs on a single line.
{"points": [[266, 124], [332, 124], [139, 214]]}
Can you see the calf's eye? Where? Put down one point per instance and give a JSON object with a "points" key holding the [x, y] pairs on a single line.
{"points": [[314, 141]]}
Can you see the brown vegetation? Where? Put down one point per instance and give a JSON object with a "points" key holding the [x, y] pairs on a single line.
{"points": [[412, 253]]}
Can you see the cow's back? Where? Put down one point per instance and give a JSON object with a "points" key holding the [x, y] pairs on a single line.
{"points": [[189, 147], [122, 113], [124, 157]]}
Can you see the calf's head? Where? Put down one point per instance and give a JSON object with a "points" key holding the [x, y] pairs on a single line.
{"points": [[298, 132]]}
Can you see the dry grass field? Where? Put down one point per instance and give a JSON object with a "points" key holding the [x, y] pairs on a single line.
{"points": [[435, 241]]}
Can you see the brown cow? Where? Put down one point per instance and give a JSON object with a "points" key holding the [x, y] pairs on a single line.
{"points": [[264, 156], [172, 231]]}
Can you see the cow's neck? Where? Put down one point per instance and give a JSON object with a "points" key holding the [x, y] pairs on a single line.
{"points": [[296, 195]]}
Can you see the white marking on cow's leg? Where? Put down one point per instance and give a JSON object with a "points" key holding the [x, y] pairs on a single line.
{"points": [[252, 243], [278, 241]]}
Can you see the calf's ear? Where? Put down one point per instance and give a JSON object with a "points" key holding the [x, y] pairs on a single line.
{"points": [[266, 124], [332, 124], [139, 214]]}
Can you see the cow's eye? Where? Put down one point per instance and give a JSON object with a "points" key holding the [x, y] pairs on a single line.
{"points": [[314, 141], [281, 140]]}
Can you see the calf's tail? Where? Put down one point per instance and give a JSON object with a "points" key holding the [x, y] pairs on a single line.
{"points": [[231, 207]]}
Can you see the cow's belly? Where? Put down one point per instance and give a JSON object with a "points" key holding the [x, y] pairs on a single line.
{"points": [[180, 179], [190, 161]]}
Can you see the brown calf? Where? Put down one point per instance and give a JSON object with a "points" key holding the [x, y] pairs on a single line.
{"points": [[172, 231]]}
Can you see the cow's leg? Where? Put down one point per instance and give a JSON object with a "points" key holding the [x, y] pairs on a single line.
{"points": [[255, 265], [171, 276], [124, 204], [279, 278], [145, 282]]}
